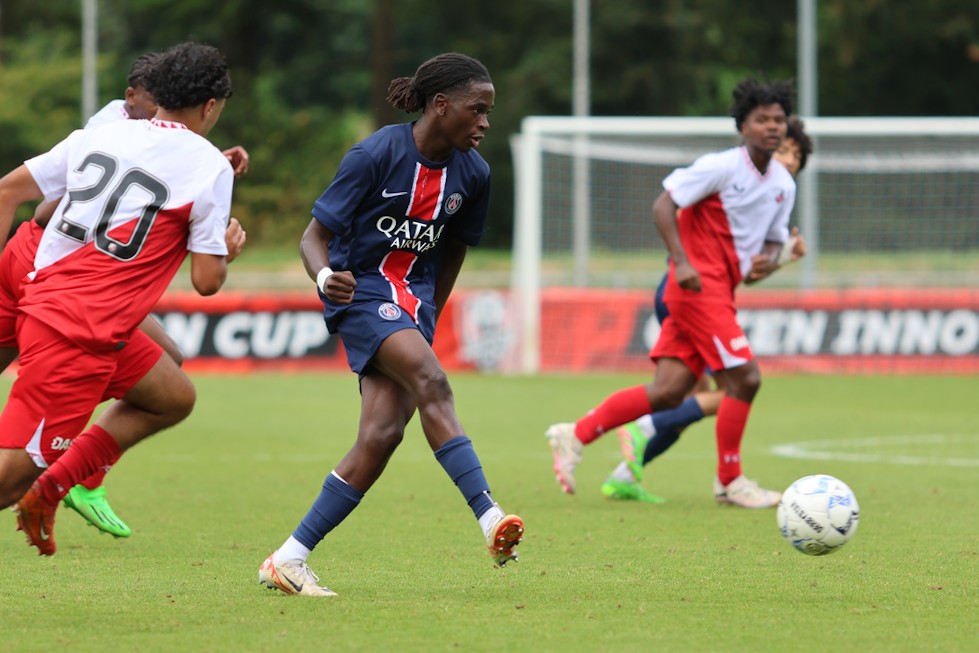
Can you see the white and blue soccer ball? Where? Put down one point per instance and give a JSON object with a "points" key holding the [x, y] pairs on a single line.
{"points": [[818, 514]]}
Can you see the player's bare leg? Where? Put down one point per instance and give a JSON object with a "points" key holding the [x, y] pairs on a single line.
{"points": [[162, 398]]}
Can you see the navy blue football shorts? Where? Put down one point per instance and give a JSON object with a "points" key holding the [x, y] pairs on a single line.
{"points": [[363, 326], [662, 312]]}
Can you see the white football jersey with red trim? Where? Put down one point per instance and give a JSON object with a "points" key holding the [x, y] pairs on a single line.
{"points": [[138, 195], [728, 211]]}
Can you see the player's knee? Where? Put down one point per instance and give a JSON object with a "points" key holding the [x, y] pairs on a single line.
{"points": [[664, 397], [380, 440], [433, 387], [179, 403], [746, 383], [183, 402]]}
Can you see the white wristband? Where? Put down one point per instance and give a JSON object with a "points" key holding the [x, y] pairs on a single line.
{"points": [[321, 278], [785, 256]]}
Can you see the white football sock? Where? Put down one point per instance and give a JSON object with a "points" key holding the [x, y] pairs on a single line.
{"points": [[623, 473], [491, 518], [292, 549], [645, 424]]}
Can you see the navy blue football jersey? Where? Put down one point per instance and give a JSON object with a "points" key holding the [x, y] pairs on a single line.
{"points": [[391, 211]]}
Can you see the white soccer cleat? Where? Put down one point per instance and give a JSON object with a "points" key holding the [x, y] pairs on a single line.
{"points": [[291, 577], [746, 493], [503, 538], [567, 449]]}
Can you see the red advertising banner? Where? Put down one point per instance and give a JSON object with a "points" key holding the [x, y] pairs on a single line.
{"points": [[859, 331]]}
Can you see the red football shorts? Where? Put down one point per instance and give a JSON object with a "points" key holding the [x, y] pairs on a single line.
{"points": [[59, 385], [703, 334], [16, 263]]}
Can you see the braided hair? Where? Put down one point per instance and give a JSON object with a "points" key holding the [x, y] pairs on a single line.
{"points": [[751, 93], [440, 74]]}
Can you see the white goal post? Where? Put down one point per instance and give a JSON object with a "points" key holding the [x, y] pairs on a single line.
{"points": [[890, 190]]}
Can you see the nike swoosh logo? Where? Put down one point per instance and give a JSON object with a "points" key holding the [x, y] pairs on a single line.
{"points": [[385, 193], [299, 588], [44, 533]]}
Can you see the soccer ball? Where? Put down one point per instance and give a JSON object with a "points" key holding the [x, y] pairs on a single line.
{"points": [[818, 514]]}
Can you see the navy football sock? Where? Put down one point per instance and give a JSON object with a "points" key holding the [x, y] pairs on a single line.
{"points": [[335, 502], [669, 424], [459, 460]]}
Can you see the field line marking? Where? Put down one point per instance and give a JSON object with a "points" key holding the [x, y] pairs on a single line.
{"points": [[831, 450]]}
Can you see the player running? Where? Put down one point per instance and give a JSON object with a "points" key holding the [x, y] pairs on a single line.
{"points": [[140, 194], [733, 205], [88, 498], [651, 435], [387, 240]]}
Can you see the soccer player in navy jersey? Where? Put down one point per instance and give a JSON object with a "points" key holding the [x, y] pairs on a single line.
{"points": [[386, 243], [652, 435], [724, 220]]}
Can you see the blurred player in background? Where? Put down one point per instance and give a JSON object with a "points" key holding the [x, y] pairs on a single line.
{"points": [[651, 435], [734, 205], [396, 222], [138, 104], [140, 195], [88, 498]]}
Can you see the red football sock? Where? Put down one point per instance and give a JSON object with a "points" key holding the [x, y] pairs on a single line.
{"points": [[90, 452], [618, 408], [96, 479], [732, 416]]}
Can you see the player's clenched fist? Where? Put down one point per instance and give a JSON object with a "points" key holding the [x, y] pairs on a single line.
{"points": [[234, 238]]}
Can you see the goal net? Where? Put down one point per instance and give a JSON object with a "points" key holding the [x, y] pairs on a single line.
{"points": [[884, 203]]}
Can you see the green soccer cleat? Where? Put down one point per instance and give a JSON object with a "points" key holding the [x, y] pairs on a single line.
{"points": [[623, 491], [632, 442], [91, 505]]}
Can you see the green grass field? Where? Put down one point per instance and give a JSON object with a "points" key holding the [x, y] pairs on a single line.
{"points": [[211, 498]]}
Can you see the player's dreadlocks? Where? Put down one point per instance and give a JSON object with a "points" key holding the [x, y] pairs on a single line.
{"points": [[141, 67], [187, 75], [751, 93], [439, 74], [797, 132]]}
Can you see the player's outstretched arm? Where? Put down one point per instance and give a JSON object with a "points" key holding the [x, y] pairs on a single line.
{"points": [[16, 187]]}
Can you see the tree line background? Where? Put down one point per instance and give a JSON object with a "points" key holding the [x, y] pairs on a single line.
{"points": [[310, 76]]}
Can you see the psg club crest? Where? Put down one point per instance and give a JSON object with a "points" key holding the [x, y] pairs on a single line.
{"points": [[389, 311], [453, 203]]}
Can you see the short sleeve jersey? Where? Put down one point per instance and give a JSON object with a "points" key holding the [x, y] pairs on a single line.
{"points": [[139, 195], [728, 210], [111, 112], [391, 210]]}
